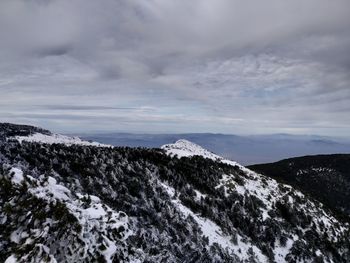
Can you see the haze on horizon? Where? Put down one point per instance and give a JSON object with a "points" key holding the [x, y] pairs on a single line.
{"points": [[225, 66]]}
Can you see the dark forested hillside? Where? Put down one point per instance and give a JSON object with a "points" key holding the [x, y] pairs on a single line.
{"points": [[325, 177], [81, 203], [9, 130]]}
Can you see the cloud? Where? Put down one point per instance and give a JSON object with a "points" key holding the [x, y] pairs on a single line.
{"points": [[275, 65]]}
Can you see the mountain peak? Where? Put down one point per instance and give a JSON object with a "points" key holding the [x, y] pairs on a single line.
{"points": [[185, 148]]}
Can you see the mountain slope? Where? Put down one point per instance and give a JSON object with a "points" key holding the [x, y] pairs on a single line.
{"points": [[325, 177], [85, 203]]}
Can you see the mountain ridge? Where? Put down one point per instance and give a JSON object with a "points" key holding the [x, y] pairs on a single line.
{"points": [[81, 203], [324, 177], [247, 150]]}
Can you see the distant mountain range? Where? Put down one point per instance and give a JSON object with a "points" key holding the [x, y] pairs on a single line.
{"points": [[244, 149]]}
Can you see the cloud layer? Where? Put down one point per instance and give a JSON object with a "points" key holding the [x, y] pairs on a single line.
{"points": [[229, 66]]}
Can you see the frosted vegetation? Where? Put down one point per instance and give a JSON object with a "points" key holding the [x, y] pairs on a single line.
{"points": [[73, 202]]}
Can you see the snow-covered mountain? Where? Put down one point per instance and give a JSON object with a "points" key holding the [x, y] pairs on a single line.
{"points": [[62, 201]]}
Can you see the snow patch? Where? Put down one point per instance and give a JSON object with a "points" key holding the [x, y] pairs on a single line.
{"points": [[11, 259], [51, 187], [281, 252], [17, 175], [199, 195]]}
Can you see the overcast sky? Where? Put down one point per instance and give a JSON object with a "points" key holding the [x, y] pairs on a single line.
{"points": [[226, 66]]}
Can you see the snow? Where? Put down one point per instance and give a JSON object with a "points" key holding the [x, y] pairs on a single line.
{"points": [[15, 236], [281, 252], [229, 180], [96, 211], [268, 190], [102, 217], [11, 259], [58, 191], [18, 175], [96, 216], [199, 195], [110, 250], [214, 233], [184, 148], [57, 138], [168, 189], [315, 169], [252, 181]]}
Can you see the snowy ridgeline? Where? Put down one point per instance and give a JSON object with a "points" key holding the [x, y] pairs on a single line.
{"points": [[212, 211], [57, 138]]}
